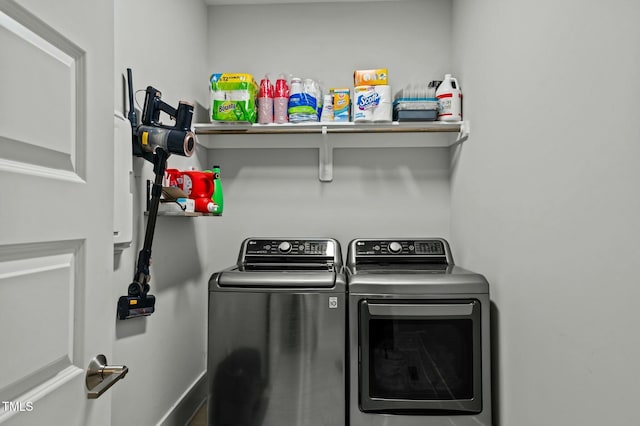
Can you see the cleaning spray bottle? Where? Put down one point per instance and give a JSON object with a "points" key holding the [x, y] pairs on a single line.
{"points": [[217, 196]]}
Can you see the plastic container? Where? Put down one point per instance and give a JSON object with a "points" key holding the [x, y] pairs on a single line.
{"points": [[218, 198], [204, 205], [415, 109], [449, 100], [415, 114], [296, 86], [281, 101], [415, 102], [265, 101], [327, 109], [304, 100], [174, 178], [199, 186]]}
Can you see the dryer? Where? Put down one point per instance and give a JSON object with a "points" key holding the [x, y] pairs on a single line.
{"points": [[419, 336]]}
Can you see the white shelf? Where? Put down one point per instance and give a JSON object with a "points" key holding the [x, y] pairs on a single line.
{"points": [[208, 136], [180, 214], [317, 127]]}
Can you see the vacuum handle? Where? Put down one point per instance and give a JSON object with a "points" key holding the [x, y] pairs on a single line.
{"points": [[132, 116]]}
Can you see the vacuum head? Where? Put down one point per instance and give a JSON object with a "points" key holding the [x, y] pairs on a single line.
{"points": [[136, 306]]}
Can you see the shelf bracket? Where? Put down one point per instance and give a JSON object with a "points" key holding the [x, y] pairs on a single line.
{"points": [[464, 132], [325, 158]]}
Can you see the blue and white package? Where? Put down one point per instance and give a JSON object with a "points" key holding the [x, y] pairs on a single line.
{"points": [[372, 104], [305, 104]]}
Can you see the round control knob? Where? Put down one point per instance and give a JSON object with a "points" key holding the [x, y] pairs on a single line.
{"points": [[284, 247], [395, 247]]}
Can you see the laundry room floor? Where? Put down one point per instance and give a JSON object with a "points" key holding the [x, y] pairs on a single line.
{"points": [[200, 418]]}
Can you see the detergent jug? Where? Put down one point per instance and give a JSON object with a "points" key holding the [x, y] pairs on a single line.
{"points": [[449, 99], [199, 186], [174, 178]]}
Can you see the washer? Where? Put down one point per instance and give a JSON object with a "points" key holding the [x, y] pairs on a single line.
{"points": [[419, 342], [277, 333]]}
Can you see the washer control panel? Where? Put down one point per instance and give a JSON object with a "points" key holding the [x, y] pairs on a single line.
{"points": [[293, 247], [398, 247]]}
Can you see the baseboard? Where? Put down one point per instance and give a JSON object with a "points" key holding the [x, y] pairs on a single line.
{"points": [[182, 411]]}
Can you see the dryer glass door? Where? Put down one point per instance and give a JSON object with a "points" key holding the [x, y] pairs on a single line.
{"points": [[420, 357]]}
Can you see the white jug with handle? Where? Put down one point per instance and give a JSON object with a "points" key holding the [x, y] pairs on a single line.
{"points": [[449, 100]]}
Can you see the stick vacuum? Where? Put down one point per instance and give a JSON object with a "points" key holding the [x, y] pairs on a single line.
{"points": [[154, 142]]}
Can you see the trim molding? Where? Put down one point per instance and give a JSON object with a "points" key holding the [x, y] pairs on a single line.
{"points": [[187, 405]]}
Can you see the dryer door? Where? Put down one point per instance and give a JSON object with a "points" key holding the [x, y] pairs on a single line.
{"points": [[420, 356]]}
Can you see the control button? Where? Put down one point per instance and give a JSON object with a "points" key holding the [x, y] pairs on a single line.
{"points": [[267, 247], [376, 247], [284, 247], [395, 247]]}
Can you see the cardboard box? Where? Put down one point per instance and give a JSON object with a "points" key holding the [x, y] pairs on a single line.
{"points": [[341, 105], [373, 77]]}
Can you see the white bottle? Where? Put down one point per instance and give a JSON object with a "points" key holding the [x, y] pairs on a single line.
{"points": [[449, 100], [327, 108], [296, 86]]}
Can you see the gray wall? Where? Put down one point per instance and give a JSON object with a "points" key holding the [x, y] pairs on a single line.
{"points": [[545, 201], [375, 192], [541, 198], [164, 43]]}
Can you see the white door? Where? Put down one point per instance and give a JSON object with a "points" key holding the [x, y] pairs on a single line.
{"points": [[57, 309]]}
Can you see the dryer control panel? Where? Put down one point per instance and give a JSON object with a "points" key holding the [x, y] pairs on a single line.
{"points": [[399, 250]]}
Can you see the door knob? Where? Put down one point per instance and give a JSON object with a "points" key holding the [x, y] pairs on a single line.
{"points": [[101, 376]]}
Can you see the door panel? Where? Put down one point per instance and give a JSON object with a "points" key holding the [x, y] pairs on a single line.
{"points": [[56, 167], [420, 356], [40, 342], [42, 117]]}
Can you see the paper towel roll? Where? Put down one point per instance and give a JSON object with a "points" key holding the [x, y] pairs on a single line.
{"points": [[372, 104], [364, 103], [219, 95], [383, 112], [238, 95]]}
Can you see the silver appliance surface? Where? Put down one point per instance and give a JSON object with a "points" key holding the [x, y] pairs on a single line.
{"points": [[277, 333], [414, 279]]}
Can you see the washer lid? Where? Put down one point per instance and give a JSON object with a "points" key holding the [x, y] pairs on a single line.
{"points": [[298, 279]]}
